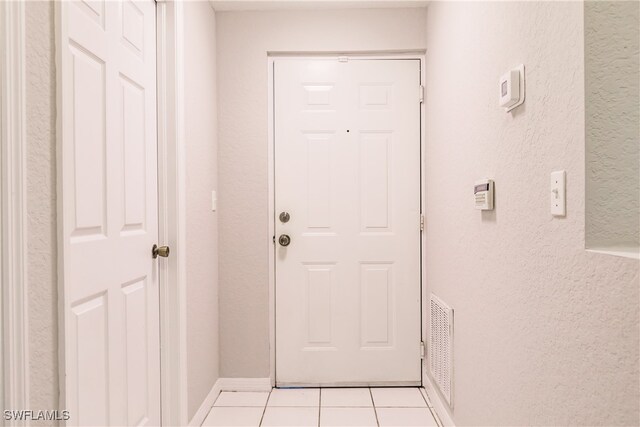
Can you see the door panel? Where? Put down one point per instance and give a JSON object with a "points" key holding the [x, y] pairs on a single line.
{"points": [[109, 212], [347, 170]]}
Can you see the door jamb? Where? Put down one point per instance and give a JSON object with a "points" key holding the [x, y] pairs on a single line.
{"points": [[272, 56], [171, 210]]}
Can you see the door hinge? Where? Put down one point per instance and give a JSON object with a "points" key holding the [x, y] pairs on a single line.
{"points": [[421, 222], [421, 94], [421, 349]]}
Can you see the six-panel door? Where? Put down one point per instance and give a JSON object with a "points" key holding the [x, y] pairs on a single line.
{"points": [[109, 212], [347, 170]]}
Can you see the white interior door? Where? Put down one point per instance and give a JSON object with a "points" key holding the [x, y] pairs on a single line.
{"points": [[347, 171], [108, 160]]}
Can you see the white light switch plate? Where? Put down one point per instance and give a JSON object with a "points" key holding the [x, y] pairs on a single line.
{"points": [[214, 201], [558, 193]]}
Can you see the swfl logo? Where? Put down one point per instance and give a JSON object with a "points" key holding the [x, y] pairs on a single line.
{"points": [[29, 415]]}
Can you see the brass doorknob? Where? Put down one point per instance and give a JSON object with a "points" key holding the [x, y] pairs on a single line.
{"points": [[284, 240], [163, 251]]}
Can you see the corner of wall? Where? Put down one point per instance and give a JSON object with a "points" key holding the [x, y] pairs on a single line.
{"points": [[200, 101]]}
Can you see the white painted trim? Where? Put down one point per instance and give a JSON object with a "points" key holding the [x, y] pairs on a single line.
{"points": [[205, 407], [311, 5], [60, 27], [440, 407], [364, 54], [423, 210], [15, 345], [244, 384], [393, 54], [272, 224], [172, 210]]}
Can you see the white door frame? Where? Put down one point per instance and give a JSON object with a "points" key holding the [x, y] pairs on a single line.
{"points": [[14, 362], [272, 57], [171, 210]]}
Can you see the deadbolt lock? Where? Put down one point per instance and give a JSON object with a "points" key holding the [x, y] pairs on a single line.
{"points": [[162, 251], [284, 216], [284, 240]]}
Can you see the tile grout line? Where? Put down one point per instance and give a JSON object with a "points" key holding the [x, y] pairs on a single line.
{"points": [[210, 408], [375, 408], [436, 417], [431, 410], [208, 412], [375, 411], [265, 408], [319, 404]]}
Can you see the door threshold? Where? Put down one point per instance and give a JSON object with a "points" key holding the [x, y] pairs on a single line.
{"points": [[350, 384]]}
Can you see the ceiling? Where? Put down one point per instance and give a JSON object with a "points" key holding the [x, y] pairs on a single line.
{"points": [[228, 5]]}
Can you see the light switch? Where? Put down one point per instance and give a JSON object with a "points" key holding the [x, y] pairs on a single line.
{"points": [[214, 201], [558, 193]]}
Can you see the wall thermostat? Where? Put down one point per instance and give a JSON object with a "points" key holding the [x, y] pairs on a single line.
{"points": [[512, 88], [483, 193]]}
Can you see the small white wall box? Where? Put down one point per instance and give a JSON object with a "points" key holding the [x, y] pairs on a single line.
{"points": [[512, 88], [483, 192]]}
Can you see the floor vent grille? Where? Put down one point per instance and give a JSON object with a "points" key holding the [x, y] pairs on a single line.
{"points": [[441, 350]]}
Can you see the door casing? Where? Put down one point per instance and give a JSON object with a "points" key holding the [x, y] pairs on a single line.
{"points": [[271, 214], [14, 325]]}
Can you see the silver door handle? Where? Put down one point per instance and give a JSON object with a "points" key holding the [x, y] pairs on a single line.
{"points": [[284, 240]]}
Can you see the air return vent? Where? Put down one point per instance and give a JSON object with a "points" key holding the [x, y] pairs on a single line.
{"points": [[441, 350]]}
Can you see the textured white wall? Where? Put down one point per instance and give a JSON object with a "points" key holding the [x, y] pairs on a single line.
{"points": [[243, 40], [41, 204], [545, 332], [202, 223], [612, 84]]}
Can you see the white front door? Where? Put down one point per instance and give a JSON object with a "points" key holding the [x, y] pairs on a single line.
{"points": [[108, 159], [347, 173]]}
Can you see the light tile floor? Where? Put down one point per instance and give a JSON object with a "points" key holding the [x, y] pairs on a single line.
{"points": [[398, 407]]}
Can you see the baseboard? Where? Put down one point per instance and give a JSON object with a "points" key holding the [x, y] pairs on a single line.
{"points": [[244, 384], [208, 402], [440, 407]]}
